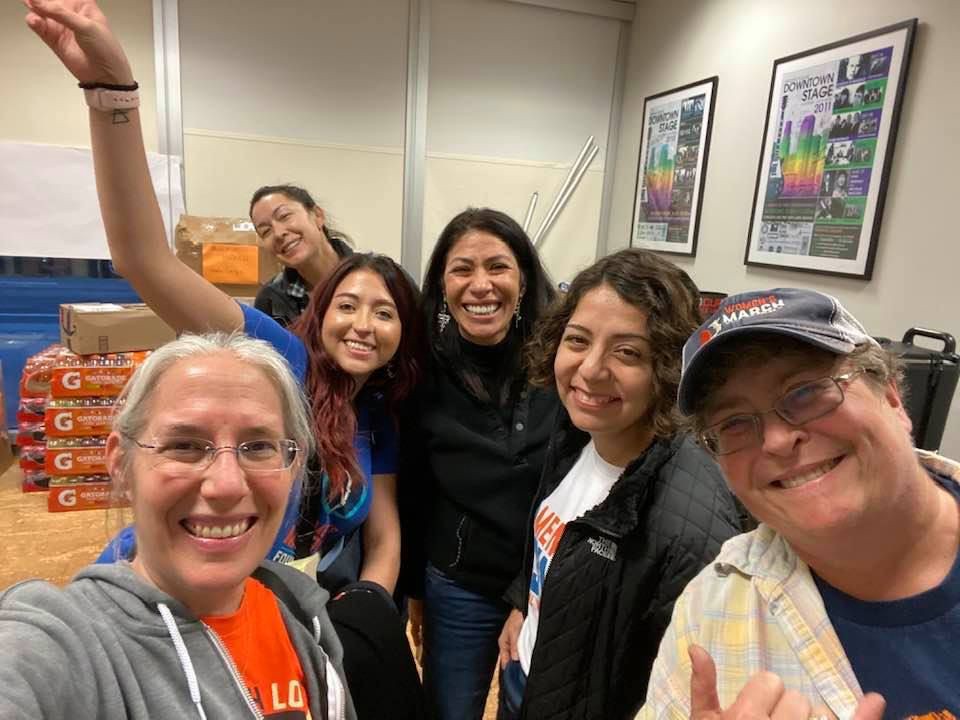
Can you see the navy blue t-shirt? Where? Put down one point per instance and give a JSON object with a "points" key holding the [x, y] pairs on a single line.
{"points": [[907, 650]]}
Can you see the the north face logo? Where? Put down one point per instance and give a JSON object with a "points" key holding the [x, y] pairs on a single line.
{"points": [[603, 547]]}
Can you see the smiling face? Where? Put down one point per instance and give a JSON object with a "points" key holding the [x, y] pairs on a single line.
{"points": [[287, 229], [604, 371], [482, 285], [361, 326], [828, 474], [179, 513]]}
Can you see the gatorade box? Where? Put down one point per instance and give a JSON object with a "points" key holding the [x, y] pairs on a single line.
{"points": [[86, 493], [80, 417], [76, 456], [92, 375]]}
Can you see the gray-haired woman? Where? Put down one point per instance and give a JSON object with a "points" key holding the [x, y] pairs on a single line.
{"points": [[211, 438]]}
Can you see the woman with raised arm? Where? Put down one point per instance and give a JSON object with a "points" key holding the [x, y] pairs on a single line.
{"points": [[356, 349]]}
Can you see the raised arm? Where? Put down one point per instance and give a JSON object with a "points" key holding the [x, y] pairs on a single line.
{"points": [[78, 34]]}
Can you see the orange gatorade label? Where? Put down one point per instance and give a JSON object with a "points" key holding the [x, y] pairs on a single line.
{"points": [[80, 420], [74, 457], [81, 496], [89, 381]]}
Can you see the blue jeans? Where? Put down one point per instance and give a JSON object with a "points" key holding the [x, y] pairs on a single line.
{"points": [[512, 684], [460, 632]]}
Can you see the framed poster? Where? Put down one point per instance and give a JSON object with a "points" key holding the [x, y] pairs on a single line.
{"points": [[827, 149], [672, 167]]}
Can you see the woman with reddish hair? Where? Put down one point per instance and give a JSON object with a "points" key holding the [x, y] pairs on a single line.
{"points": [[356, 349]]}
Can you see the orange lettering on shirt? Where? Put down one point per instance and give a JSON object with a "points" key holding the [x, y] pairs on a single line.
{"points": [[543, 517], [551, 528], [555, 540]]}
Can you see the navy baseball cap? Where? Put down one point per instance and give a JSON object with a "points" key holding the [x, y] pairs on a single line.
{"points": [[807, 315]]}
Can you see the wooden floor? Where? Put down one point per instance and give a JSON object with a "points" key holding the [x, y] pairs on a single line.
{"points": [[54, 546], [37, 543]]}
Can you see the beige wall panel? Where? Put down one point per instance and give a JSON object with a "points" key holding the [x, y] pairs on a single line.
{"points": [[361, 189], [42, 103], [677, 41]]}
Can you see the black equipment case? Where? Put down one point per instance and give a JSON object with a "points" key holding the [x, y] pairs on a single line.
{"points": [[930, 380]]}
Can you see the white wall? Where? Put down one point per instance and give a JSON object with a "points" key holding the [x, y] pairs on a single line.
{"points": [[677, 41]]}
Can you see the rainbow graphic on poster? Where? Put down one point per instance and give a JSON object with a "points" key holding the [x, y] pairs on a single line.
{"points": [[658, 179], [801, 159]]}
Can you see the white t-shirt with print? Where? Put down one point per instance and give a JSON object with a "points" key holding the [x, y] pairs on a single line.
{"points": [[586, 485]]}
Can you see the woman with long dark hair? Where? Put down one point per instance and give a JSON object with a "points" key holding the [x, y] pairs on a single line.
{"points": [[296, 231], [477, 441]]}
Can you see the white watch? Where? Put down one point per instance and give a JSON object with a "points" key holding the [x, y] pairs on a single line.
{"points": [[109, 100]]}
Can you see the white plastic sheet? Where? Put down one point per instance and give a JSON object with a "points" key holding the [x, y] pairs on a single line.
{"points": [[48, 200]]}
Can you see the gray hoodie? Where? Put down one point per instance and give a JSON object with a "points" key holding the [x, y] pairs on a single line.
{"points": [[109, 645]]}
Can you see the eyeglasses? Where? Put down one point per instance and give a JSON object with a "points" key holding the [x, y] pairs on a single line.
{"points": [[196, 455], [795, 407]]}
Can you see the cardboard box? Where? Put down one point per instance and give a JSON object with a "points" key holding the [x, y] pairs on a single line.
{"points": [[226, 251], [88, 328], [80, 496]]}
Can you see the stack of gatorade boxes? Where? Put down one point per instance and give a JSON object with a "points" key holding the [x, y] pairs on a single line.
{"points": [[31, 433], [77, 419]]}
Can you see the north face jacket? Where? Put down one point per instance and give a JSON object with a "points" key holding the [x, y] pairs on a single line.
{"points": [[610, 588]]}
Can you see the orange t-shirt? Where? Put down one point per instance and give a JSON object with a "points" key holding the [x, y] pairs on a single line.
{"points": [[257, 640]]}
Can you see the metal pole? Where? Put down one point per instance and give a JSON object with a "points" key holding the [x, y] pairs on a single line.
{"points": [[562, 199], [530, 208], [573, 170]]}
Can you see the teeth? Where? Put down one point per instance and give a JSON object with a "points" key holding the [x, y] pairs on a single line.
{"points": [[218, 531], [481, 309], [591, 399], [290, 245], [812, 474], [358, 345]]}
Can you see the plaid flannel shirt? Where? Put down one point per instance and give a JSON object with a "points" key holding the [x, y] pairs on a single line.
{"points": [[757, 608]]}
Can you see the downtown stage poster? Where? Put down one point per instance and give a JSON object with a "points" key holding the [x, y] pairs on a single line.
{"points": [[827, 149], [672, 167]]}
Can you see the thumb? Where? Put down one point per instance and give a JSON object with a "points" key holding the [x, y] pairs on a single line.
{"points": [[703, 684], [870, 707]]}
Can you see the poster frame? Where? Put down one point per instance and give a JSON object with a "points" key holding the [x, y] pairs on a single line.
{"points": [[689, 248], [886, 139]]}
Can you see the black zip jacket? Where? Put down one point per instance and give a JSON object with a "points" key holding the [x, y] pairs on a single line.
{"points": [[468, 474], [610, 588]]}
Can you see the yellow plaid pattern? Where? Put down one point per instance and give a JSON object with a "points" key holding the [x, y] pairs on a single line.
{"points": [[757, 608]]}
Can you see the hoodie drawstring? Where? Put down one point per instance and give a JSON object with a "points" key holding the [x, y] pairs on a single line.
{"points": [[336, 694], [185, 663]]}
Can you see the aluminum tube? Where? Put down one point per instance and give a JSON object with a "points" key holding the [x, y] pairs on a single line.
{"points": [[563, 199], [573, 171], [530, 208]]}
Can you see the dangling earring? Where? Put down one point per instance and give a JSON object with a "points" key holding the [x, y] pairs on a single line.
{"points": [[391, 370], [443, 317], [516, 311]]}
